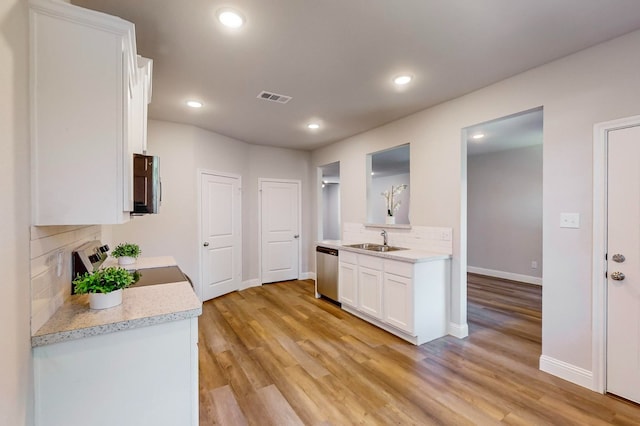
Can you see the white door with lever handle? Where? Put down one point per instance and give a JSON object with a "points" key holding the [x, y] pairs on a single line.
{"points": [[280, 230], [623, 264]]}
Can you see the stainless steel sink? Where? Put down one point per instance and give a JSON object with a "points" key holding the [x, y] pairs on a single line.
{"points": [[375, 247]]}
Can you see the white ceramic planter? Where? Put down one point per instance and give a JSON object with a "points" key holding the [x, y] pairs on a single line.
{"points": [[105, 300], [390, 220], [126, 260]]}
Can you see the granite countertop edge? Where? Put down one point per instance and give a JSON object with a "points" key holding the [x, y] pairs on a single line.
{"points": [[97, 330]]}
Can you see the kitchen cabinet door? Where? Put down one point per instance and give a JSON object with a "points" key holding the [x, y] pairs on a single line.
{"points": [[348, 284], [84, 75], [398, 302], [370, 291]]}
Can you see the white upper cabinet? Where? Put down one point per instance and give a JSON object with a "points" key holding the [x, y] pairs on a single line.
{"points": [[89, 94]]}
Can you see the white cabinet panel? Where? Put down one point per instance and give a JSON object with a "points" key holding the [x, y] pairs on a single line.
{"points": [[348, 283], [398, 302], [142, 376], [370, 291]]}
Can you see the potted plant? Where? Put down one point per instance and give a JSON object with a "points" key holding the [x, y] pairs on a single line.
{"points": [[126, 253], [104, 286]]}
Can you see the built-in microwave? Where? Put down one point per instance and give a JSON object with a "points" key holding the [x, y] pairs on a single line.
{"points": [[147, 188]]}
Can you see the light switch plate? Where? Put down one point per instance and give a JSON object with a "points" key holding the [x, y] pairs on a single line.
{"points": [[569, 220]]}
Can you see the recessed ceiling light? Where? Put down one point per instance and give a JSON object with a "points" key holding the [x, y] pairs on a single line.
{"points": [[401, 80], [478, 136], [194, 104], [313, 126], [230, 18]]}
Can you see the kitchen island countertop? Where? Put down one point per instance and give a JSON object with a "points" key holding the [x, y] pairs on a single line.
{"points": [[141, 307]]}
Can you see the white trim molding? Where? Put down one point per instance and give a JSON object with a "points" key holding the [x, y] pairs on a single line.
{"points": [[458, 330], [307, 276], [250, 283], [599, 284], [505, 275], [566, 371]]}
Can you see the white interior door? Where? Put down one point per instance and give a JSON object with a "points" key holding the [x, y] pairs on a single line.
{"points": [[221, 238], [623, 274], [280, 229]]}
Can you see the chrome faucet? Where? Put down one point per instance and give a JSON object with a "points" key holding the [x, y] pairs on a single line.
{"points": [[384, 236]]}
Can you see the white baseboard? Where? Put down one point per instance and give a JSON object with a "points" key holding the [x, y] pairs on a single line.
{"points": [[458, 330], [308, 276], [250, 283], [566, 371], [505, 275]]}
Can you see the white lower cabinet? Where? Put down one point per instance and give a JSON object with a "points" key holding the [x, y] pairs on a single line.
{"points": [[145, 376], [404, 298]]}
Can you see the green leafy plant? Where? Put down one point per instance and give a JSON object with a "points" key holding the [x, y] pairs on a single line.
{"points": [[103, 280], [126, 249]]}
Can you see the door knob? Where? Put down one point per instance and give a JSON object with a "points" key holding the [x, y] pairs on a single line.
{"points": [[296, 236], [206, 244], [618, 258], [617, 276]]}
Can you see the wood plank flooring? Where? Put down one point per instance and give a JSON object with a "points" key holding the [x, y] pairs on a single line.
{"points": [[275, 355]]}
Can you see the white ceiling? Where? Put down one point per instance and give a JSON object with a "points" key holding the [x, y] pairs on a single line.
{"points": [[336, 58]]}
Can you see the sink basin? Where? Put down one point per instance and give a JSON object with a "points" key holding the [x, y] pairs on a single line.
{"points": [[386, 248], [365, 246], [375, 247]]}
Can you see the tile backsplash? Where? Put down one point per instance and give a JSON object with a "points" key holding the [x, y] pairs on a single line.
{"points": [[428, 238], [51, 248]]}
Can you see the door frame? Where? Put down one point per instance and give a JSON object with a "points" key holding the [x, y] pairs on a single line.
{"points": [[298, 182], [599, 265], [200, 173]]}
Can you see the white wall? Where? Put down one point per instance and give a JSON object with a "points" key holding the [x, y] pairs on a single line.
{"points": [[16, 388], [183, 149], [504, 211], [598, 84]]}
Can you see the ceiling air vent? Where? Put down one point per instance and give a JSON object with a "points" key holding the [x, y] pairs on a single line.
{"points": [[274, 97]]}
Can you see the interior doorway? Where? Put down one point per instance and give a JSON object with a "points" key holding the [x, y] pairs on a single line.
{"points": [[502, 208], [329, 201]]}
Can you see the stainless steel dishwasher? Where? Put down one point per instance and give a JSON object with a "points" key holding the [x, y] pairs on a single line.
{"points": [[327, 272]]}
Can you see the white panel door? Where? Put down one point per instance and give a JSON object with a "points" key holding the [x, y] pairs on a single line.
{"points": [[280, 225], [221, 239], [623, 291]]}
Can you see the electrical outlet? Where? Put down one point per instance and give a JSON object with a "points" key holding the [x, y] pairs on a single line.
{"points": [[534, 264]]}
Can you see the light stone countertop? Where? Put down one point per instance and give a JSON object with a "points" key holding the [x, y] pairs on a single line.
{"points": [[409, 255], [141, 307]]}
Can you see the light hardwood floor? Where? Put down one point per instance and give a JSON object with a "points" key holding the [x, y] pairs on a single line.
{"points": [[275, 355]]}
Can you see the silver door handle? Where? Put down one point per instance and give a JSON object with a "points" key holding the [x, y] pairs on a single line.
{"points": [[206, 244], [296, 236], [618, 258], [617, 276]]}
